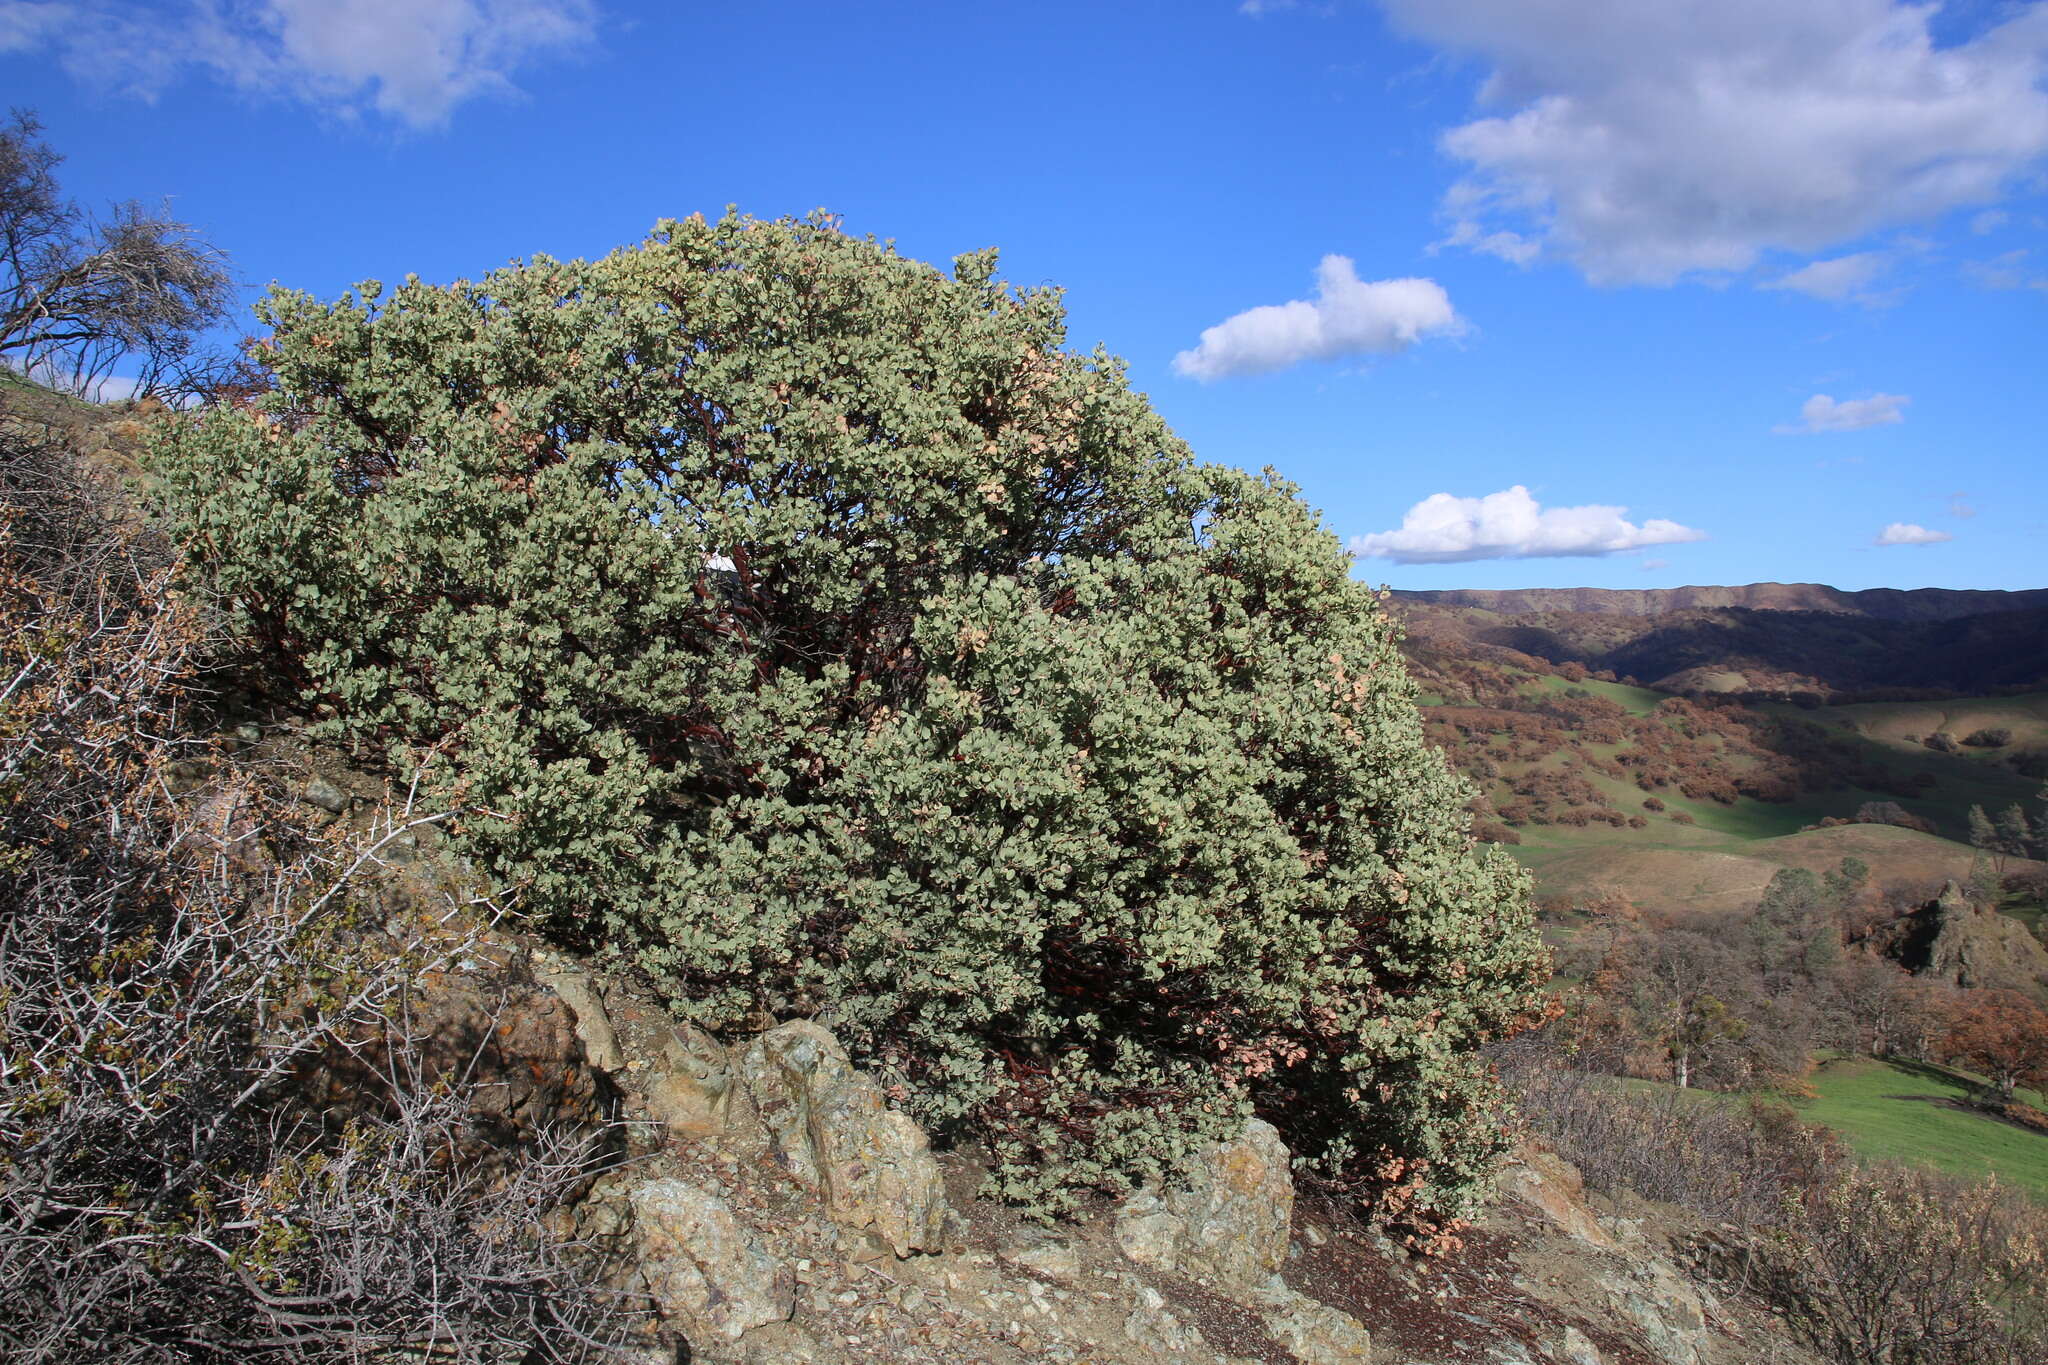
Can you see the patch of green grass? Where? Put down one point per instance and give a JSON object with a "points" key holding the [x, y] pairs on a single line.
{"points": [[1895, 1111], [2026, 912], [1637, 701], [1898, 1111]]}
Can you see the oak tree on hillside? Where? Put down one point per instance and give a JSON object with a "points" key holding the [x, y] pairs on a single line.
{"points": [[2002, 1034]]}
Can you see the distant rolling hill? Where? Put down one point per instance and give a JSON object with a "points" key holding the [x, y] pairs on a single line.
{"points": [[1763, 637], [1884, 604], [1677, 747], [1730, 879]]}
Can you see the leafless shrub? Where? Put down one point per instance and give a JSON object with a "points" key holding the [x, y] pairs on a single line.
{"points": [[1731, 1161], [1867, 1263], [79, 293], [176, 942], [393, 1238], [1907, 1267]]}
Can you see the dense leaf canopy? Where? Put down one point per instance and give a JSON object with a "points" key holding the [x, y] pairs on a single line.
{"points": [[829, 640]]}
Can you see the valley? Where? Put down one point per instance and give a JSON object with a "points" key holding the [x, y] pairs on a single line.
{"points": [[1688, 796]]}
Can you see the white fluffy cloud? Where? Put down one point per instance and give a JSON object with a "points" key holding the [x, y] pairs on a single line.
{"points": [[409, 60], [1822, 413], [1843, 277], [1647, 140], [1445, 529], [1906, 533], [1349, 316]]}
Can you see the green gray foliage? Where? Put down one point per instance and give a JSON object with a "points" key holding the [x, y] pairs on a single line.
{"points": [[832, 642]]}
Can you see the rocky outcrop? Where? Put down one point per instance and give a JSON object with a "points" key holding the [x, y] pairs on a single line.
{"points": [[1313, 1333], [1952, 939], [833, 1130], [1617, 1272], [1649, 1292], [1227, 1223], [775, 1203], [705, 1272], [593, 1026], [516, 1046], [691, 1087], [1551, 1187]]}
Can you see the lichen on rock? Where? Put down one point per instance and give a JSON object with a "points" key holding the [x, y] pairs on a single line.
{"points": [[833, 1130], [702, 1267], [1228, 1220]]}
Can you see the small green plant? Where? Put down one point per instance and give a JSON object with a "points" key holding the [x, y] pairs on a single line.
{"points": [[828, 640]]}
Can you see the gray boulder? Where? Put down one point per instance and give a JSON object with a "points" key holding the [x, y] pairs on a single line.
{"points": [[1228, 1223], [833, 1130], [704, 1270]]}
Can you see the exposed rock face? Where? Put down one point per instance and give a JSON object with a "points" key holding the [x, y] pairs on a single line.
{"points": [[593, 1026], [704, 1271], [518, 1045], [1228, 1224], [1315, 1333], [691, 1087], [833, 1130], [1981, 948], [1954, 940], [1668, 1309], [1615, 1273], [1549, 1185]]}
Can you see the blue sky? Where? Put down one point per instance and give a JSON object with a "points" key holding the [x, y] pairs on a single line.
{"points": [[1770, 279]]}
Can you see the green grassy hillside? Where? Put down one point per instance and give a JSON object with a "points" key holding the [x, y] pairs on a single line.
{"points": [[1904, 1111]]}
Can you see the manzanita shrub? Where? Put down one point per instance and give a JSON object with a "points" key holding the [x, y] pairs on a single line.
{"points": [[827, 639]]}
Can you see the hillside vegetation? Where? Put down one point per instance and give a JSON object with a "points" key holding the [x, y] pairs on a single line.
{"points": [[1691, 801], [826, 640], [1731, 640], [817, 659], [1912, 1112]]}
